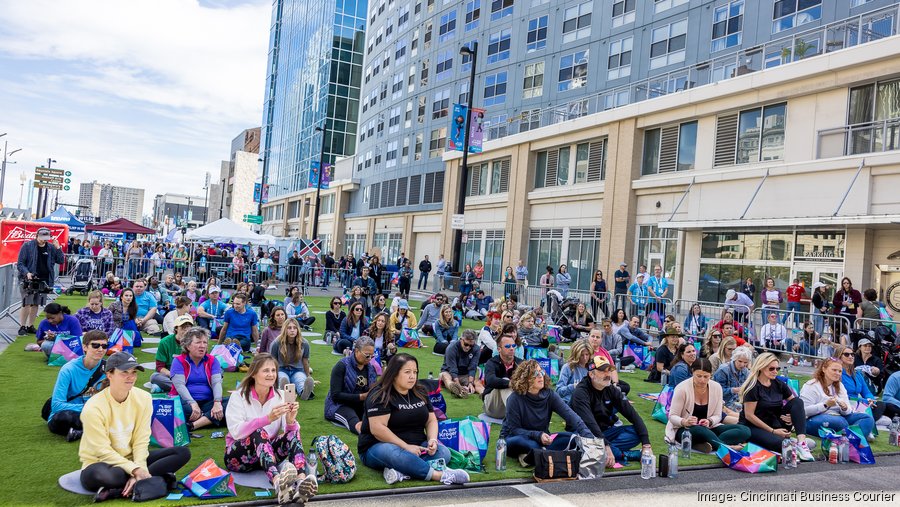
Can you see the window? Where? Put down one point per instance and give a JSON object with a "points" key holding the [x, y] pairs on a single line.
{"points": [[463, 92], [668, 44], [584, 247], [537, 34], [390, 244], [577, 23], [501, 9], [670, 148], [402, 190], [434, 188], [417, 154], [659, 246], [573, 70], [415, 189], [490, 177], [500, 176], [478, 180], [397, 87], [394, 121], [421, 110], [497, 126], [470, 251], [466, 59], [530, 120], [793, 13], [356, 243], [873, 111], [327, 203], [498, 46], [495, 89], [437, 142], [447, 29], [403, 18], [662, 5], [400, 53], [294, 210], [620, 58], [444, 64], [728, 22], [493, 255], [761, 134], [441, 105], [544, 249], [473, 13], [533, 85], [623, 12], [552, 166]]}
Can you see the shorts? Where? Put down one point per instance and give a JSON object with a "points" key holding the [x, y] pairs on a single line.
{"points": [[31, 297]]}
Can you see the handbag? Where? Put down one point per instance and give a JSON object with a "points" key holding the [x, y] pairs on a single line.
{"points": [[48, 405], [65, 348], [593, 458], [467, 434], [556, 465], [662, 405], [149, 489]]}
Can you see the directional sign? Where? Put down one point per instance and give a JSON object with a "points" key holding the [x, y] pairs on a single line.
{"points": [[68, 173], [253, 219], [47, 170], [49, 186], [66, 188], [68, 180]]}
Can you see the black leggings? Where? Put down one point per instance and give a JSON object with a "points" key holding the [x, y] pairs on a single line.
{"points": [[891, 411], [63, 421], [342, 344], [348, 417], [159, 462], [772, 442]]}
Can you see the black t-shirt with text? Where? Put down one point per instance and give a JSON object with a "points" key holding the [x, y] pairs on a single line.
{"points": [[769, 402], [43, 257], [408, 418]]}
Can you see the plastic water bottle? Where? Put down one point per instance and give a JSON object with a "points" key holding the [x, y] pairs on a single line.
{"points": [[673, 461], [663, 378], [833, 455], [795, 456], [652, 465], [787, 454], [500, 463], [844, 450], [646, 464], [894, 436], [312, 463], [686, 444], [618, 363]]}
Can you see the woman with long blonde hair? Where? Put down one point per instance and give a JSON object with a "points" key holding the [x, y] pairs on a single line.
{"points": [[722, 353], [575, 368], [291, 352], [771, 410]]}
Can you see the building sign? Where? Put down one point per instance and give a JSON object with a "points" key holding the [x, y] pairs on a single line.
{"points": [[821, 246]]}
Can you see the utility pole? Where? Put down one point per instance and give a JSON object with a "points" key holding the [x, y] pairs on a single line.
{"points": [[472, 51], [6, 154], [324, 130], [206, 199]]}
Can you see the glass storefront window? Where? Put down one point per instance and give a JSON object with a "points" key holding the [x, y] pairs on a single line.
{"points": [[821, 246], [722, 246]]}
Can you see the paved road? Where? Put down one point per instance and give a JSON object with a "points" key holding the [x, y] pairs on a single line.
{"points": [[853, 481]]}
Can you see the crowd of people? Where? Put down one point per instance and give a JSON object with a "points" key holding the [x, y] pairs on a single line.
{"points": [[726, 391]]}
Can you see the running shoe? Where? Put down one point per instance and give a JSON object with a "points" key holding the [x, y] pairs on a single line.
{"points": [[284, 483], [308, 385], [454, 476], [305, 489], [803, 453], [392, 476]]}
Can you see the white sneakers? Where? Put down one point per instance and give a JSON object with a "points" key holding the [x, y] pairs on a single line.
{"points": [[454, 476], [392, 476], [803, 453]]}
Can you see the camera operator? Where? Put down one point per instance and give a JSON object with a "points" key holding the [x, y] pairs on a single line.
{"points": [[36, 264]]}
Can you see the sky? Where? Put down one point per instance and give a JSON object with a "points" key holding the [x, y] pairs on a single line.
{"points": [[136, 93]]}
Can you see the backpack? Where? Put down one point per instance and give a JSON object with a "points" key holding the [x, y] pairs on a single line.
{"points": [[336, 458]]}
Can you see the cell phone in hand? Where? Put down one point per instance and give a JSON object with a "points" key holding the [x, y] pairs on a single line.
{"points": [[290, 393]]}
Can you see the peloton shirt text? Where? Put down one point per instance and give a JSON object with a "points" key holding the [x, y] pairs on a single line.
{"points": [[408, 418], [240, 324]]}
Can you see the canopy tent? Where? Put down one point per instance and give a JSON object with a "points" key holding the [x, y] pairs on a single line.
{"points": [[62, 216], [120, 225], [225, 230]]}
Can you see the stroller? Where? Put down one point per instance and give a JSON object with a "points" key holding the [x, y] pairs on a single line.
{"points": [[562, 312], [82, 277]]}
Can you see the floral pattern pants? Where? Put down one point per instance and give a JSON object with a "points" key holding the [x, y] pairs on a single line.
{"points": [[260, 451]]}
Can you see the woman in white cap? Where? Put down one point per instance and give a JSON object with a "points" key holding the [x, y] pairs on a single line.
{"points": [[114, 448], [871, 366], [819, 305]]}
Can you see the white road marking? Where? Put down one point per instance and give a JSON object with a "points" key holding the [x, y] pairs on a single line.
{"points": [[542, 498]]}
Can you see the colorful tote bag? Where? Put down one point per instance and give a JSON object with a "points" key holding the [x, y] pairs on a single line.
{"points": [[662, 405], [168, 427], [467, 434], [210, 481], [643, 358], [752, 459], [65, 348], [121, 340]]}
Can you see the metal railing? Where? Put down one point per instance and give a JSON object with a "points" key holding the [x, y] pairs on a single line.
{"points": [[859, 138], [836, 36], [10, 299]]}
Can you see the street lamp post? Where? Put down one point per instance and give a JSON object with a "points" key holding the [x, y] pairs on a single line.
{"points": [[472, 51], [324, 130], [6, 154]]}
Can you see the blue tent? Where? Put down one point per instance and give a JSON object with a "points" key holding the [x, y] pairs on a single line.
{"points": [[62, 216]]}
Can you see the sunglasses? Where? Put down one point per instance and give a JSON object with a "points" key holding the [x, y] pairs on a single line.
{"points": [[357, 310], [368, 356], [717, 335], [334, 303], [774, 368], [509, 346], [538, 373], [847, 354], [100, 345]]}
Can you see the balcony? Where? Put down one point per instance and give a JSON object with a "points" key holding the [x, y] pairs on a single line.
{"points": [[846, 33], [869, 137]]}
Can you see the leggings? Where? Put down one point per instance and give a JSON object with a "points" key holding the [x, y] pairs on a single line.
{"points": [[723, 434], [63, 421], [159, 463], [772, 442], [342, 344], [260, 451], [348, 417]]}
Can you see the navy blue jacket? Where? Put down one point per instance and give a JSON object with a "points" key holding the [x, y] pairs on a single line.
{"points": [[28, 259]]}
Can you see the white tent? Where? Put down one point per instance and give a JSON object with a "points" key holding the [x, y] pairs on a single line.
{"points": [[225, 230]]}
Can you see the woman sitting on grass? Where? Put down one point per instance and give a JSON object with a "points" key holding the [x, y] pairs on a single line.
{"points": [[351, 380], [383, 335], [575, 369], [825, 401], [296, 308], [732, 375], [277, 317], [697, 407], [124, 311], [59, 320], [446, 329], [723, 352], [679, 370], [291, 352], [197, 378], [399, 432], [263, 432], [114, 449], [352, 328], [94, 316], [531, 335], [333, 319], [528, 411]]}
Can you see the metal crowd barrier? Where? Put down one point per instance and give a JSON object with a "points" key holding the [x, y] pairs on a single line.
{"points": [[868, 324], [10, 298]]}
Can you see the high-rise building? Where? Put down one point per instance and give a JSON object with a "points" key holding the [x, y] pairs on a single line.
{"points": [[174, 210], [313, 79], [231, 193], [107, 202]]}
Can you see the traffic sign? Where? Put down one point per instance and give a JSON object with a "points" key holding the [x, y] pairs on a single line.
{"points": [[66, 188], [253, 219], [457, 222], [48, 170], [68, 173]]}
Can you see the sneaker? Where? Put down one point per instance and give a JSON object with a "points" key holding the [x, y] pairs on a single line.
{"points": [[871, 437], [73, 435], [457, 390], [308, 385], [632, 455], [883, 422], [803, 453], [31, 330], [104, 494], [523, 460], [284, 483], [703, 447], [454, 476], [22, 331], [392, 476], [305, 489]]}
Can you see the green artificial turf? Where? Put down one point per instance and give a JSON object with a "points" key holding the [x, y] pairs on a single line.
{"points": [[35, 458]]}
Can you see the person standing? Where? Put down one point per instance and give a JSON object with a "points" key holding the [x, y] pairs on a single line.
{"points": [[328, 263], [846, 303], [441, 270], [658, 287], [424, 270], [404, 279], [36, 262], [621, 277], [598, 296], [522, 274], [795, 292]]}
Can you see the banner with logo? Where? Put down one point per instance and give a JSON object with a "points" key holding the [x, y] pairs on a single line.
{"points": [[314, 175], [14, 234], [461, 120]]}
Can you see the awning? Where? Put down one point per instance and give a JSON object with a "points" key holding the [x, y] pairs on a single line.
{"points": [[760, 223]]}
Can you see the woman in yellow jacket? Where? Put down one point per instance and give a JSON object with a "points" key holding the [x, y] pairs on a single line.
{"points": [[402, 318], [114, 449]]}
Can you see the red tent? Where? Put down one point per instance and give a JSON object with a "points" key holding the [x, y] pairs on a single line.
{"points": [[120, 225]]}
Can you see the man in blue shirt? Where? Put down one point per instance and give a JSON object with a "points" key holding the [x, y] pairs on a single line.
{"points": [[634, 334], [483, 303], [658, 287], [240, 324], [146, 312], [211, 312]]}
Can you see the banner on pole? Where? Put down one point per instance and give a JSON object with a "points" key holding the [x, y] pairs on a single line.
{"points": [[464, 119], [314, 175]]}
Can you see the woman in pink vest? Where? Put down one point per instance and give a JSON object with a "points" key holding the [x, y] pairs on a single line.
{"points": [[197, 379]]}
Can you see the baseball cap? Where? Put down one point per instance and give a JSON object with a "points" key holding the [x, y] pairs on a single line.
{"points": [[670, 331], [44, 233], [122, 361], [864, 341], [599, 363], [183, 319], [817, 285], [623, 263], [213, 289], [403, 305], [730, 294]]}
